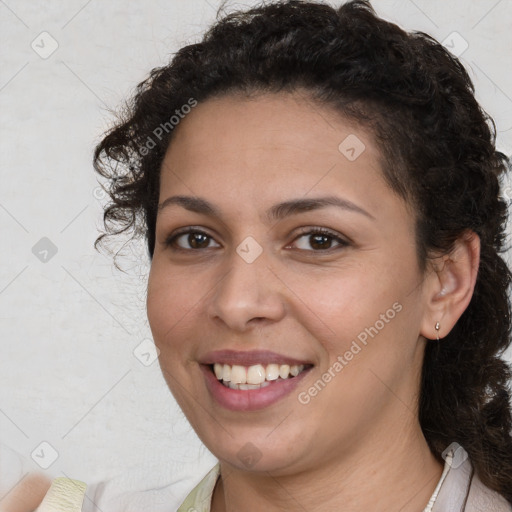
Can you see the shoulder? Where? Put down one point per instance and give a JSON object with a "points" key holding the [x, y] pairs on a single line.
{"points": [[142, 488], [462, 489], [76, 496], [64, 494], [481, 498]]}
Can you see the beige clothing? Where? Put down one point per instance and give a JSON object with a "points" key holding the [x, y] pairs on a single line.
{"points": [[454, 485], [458, 490], [64, 495]]}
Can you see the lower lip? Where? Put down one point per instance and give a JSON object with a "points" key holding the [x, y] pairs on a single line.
{"points": [[251, 399]]}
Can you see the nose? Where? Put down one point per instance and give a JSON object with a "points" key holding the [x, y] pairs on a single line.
{"points": [[248, 294]]}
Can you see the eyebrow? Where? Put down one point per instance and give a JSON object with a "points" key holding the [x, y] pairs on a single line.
{"points": [[276, 212]]}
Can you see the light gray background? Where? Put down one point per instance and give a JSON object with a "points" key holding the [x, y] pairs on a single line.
{"points": [[69, 326]]}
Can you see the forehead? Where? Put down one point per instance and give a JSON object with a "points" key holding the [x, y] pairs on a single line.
{"points": [[273, 120], [279, 136]]}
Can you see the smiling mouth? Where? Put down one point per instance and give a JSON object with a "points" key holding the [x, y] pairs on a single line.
{"points": [[256, 376]]}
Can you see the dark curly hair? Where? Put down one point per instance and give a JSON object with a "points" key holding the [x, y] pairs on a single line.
{"points": [[438, 153]]}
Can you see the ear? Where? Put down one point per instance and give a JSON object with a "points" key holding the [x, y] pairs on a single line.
{"points": [[449, 284]]}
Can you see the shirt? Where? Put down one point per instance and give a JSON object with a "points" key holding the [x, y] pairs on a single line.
{"points": [[456, 483], [458, 490]]}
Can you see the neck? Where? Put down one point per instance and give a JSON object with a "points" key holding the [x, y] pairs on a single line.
{"points": [[401, 476]]}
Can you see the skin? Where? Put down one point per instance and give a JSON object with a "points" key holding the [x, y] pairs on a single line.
{"points": [[26, 495], [357, 445]]}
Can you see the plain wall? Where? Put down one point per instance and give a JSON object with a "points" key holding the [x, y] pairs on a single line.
{"points": [[69, 325]]}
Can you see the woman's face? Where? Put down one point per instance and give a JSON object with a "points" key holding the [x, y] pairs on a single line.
{"points": [[251, 275]]}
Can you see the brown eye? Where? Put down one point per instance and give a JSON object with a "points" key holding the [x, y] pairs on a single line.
{"points": [[198, 240], [320, 240], [190, 240]]}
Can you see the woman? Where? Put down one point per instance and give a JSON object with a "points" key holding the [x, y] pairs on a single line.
{"points": [[319, 192]]}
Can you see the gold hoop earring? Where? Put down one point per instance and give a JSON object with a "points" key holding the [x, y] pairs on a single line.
{"points": [[437, 330]]}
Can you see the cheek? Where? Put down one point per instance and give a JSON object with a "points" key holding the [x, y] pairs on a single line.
{"points": [[363, 314], [340, 304], [171, 299]]}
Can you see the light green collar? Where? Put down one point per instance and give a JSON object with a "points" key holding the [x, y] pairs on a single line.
{"points": [[200, 498]]}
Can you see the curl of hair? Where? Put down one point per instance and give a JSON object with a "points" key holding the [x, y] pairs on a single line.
{"points": [[438, 152]]}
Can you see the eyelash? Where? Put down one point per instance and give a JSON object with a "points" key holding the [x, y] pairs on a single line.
{"points": [[171, 240]]}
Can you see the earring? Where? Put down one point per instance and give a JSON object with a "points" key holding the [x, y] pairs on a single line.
{"points": [[437, 330]]}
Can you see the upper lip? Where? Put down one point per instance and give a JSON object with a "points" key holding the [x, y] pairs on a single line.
{"points": [[249, 358]]}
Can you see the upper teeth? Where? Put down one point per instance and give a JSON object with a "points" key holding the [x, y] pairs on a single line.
{"points": [[255, 374]]}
